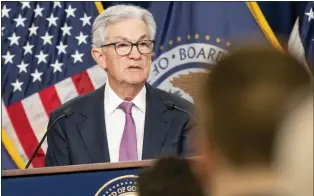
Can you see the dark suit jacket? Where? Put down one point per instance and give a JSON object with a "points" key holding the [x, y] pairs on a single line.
{"points": [[81, 138]]}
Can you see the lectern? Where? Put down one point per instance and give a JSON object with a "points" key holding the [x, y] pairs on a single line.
{"points": [[103, 179]]}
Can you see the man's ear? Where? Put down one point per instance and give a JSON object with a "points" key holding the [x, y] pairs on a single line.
{"points": [[99, 57]]}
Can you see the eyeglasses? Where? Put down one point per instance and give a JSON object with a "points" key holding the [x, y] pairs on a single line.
{"points": [[124, 48]]}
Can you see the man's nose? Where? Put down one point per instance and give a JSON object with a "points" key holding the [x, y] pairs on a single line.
{"points": [[135, 53]]}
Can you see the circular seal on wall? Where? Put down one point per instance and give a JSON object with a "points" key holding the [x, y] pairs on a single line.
{"points": [[180, 69], [120, 186]]}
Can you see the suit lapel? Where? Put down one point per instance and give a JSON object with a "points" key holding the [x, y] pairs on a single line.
{"points": [[92, 127], [157, 124]]}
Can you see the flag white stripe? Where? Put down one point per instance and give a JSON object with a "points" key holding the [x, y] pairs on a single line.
{"points": [[295, 45], [97, 75], [37, 117], [66, 90]]}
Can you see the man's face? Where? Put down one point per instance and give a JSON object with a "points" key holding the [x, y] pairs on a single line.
{"points": [[135, 67]]}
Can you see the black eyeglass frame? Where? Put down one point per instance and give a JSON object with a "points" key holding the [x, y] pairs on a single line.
{"points": [[132, 45]]}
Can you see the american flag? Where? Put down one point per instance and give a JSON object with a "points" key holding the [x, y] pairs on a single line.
{"points": [[46, 61], [301, 41]]}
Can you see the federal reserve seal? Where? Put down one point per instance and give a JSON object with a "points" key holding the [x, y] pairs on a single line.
{"points": [[179, 69], [120, 186]]}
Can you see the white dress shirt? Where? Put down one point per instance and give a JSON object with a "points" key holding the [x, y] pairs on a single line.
{"points": [[115, 120]]}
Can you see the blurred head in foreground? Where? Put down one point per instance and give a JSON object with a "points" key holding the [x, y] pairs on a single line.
{"points": [[169, 176], [294, 151], [245, 99]]}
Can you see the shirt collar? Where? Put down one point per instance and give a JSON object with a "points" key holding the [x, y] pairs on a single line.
{"points": [[112, 100], [140, 100]]}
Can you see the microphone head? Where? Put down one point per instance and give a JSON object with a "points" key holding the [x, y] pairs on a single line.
{"points": [[68, 112], [169, 105]]}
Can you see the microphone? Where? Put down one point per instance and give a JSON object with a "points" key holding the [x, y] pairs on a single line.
{"points": [[171, 106], [66, 114]]}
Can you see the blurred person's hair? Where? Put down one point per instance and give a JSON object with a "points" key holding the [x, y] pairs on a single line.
{"points": [[244, 101], [294, 149], [169, 176]]}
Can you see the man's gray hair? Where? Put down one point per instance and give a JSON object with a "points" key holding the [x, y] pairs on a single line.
{"points": [[118, 13]]}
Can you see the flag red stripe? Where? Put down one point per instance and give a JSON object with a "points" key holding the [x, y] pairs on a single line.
{"points": [[25, 133], [50, 99], [82, 83]]}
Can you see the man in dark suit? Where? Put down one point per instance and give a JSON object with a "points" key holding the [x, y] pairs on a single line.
{"points": [[126, 119]]}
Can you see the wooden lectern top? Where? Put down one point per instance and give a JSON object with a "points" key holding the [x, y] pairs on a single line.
{"points": [[76, 168]]}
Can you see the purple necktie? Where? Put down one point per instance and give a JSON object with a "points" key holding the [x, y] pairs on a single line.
{"points": [[128, 145]]}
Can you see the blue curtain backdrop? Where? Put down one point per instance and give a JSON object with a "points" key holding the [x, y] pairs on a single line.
{"points": [[281, 16]]}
